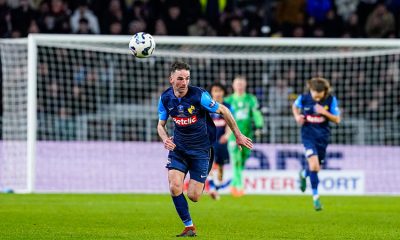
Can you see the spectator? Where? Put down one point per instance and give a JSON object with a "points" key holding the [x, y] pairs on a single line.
{"points": [[352, 28], [52, 101], [235, 28], [317, 9], [157, 8], [115, 13], [57, 19], [364, 8], [191, 10], [394, 7], [160, 28], [290, 14], [279, 97], [137, 26], [332, 25], [115, 28], [252, 21], [5, 19], [22, 16], [16, 33], [346, 8], [83, 12], [33, 27], [175, 23], [213, 10], [138, 11], [138, 17], [201, 28], [380, 22], [298, 32], [83, 27]]}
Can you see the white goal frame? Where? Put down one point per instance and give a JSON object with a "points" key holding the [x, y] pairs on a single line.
{"points": [[34, 40]]}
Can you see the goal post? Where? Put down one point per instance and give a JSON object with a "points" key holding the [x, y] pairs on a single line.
{"points": [[80, 112], [31, 112]]}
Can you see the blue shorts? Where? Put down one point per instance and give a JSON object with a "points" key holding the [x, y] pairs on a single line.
{"points": [[197, 162], [315, 147], [221, 154]]}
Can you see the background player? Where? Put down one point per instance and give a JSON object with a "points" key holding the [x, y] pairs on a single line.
{"points": [[221, 155], [194, 133], [313, 111], [246, 114]]}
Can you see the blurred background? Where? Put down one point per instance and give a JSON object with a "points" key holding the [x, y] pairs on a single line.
{"points": [[96, 105]]}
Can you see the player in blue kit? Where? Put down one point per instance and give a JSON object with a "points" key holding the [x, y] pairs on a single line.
{"points": [[221, 154], [190, 147], [313, 111]]}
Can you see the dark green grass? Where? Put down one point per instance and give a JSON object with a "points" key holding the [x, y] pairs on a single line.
{"points": [[90, 216]]}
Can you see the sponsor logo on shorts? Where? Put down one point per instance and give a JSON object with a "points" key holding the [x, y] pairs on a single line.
{"points": [[185, 121]]}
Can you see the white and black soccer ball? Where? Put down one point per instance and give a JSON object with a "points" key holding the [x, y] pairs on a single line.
{"points": [[142, 45]]}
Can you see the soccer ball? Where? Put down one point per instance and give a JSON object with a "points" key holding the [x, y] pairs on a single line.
{"points": [[142, 45]]}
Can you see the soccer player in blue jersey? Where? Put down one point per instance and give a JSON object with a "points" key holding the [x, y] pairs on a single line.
{"points": [[313, 111], [190, 147], [221, 154]]}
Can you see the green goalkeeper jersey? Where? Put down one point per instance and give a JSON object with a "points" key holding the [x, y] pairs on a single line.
{"points": [[246, 113]]}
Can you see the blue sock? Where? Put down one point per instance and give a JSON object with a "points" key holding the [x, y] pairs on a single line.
{"points": [[314, 182], [182, 208]]}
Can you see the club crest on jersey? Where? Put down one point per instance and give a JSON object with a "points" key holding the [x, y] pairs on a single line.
{"points": [[180, 109], [185, 121], [191, 109]]}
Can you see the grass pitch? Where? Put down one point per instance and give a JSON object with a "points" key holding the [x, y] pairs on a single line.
{"points": [[92, 216]]}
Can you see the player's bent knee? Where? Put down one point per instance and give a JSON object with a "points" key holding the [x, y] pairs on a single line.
{"points": [[314, 168], [194, 197], [175, 188]]}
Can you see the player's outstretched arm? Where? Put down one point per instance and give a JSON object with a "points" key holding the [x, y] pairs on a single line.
{"points": [[162, 132], [241, 139]]}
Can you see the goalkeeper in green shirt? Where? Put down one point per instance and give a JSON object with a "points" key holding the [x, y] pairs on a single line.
{"points": [[248, 117]]}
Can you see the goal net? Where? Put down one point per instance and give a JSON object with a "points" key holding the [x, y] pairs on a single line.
{"points": [[79, 113]]}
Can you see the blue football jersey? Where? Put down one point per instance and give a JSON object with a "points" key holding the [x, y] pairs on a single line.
{"points": [[316, 126], [220, 122], [194, 128]]}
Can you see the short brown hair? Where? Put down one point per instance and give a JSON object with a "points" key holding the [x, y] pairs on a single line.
{"points": [[319, 84], [179, 65]]}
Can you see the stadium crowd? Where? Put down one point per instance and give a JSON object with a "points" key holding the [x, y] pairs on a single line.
{"points": [[270, 18]]}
